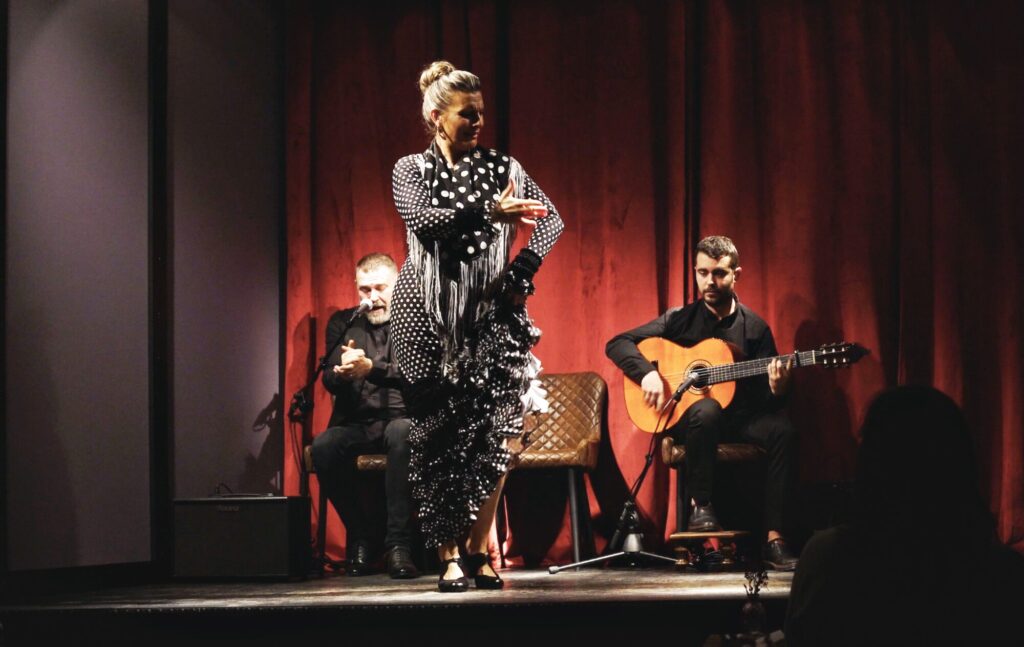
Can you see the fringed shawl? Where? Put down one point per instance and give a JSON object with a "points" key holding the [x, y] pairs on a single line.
{"points": [[457, 272]]}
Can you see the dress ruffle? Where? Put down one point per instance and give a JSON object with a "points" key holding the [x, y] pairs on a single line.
{"points": [[460, 450]]}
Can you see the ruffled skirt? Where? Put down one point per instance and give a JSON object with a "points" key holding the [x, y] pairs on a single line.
{"points": [[461, 444]]}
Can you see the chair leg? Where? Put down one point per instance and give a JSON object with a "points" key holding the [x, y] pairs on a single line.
{"points": [[587, 547], [321, 530], [502, 522], [574, 515], [682, 504]]}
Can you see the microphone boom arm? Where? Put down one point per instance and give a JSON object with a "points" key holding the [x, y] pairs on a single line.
{"points": [[690, 380], [301, 404]]}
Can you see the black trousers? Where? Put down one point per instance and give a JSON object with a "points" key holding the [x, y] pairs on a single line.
{"points": [[334, 455], [705, 424]]}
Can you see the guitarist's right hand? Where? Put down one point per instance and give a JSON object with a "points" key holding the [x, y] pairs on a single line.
{"points": [[654, 390]]}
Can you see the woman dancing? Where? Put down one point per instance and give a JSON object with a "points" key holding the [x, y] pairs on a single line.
{"points": [[460, 331]]}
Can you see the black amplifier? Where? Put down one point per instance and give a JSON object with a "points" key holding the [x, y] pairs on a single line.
{"points": [[242, 537]]}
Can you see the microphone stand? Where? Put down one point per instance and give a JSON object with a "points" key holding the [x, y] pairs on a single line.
{"points": [[628, 533], [301, 403]]}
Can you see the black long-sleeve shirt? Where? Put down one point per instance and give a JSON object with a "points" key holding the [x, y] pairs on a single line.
{"points": [[376, 397], [692, 324]]}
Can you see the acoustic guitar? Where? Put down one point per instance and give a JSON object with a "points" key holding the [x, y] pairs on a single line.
{"points": [[710, 368]]}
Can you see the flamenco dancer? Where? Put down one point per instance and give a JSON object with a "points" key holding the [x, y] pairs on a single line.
{"points": [[460, 330]]}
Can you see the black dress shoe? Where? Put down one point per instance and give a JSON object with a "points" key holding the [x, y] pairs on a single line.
{"points": [[400, 566], [459, 584], [359, 560], [474, 563], [703, 519], [777, 555]]}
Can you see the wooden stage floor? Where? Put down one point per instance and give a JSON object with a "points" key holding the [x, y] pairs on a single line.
{"points": [[605, 605]]}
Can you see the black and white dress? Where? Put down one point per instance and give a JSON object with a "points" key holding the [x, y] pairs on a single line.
{"points": [[465, 356]]}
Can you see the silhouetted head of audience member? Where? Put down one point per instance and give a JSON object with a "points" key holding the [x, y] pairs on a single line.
{"points": [[920, 563], [916, 468]]}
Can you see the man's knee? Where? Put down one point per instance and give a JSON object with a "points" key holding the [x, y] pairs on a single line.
{"points": [[700, 421], [704, 415], [322, 449], [396, 435], [783, 431], [331, 447]]}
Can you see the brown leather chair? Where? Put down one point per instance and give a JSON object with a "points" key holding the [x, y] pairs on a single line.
{"points": [[567, 437], [674, 456]]}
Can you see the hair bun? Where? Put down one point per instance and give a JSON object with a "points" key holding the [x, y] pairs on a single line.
{"points": [[433, 72]]}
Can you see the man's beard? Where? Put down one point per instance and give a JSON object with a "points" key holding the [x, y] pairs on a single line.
{"points": [[379, 316], [718, 297]]}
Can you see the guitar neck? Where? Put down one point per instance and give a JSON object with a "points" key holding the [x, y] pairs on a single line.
{"points": [[750, 368]]}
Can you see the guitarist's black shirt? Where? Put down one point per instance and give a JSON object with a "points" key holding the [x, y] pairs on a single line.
{"points": [[748, 333]]}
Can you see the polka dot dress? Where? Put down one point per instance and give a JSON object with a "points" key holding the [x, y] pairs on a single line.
{"points": [[455, 252], [433, 199]]}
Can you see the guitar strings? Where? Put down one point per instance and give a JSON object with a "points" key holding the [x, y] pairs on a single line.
{"points": [[740, 370]]}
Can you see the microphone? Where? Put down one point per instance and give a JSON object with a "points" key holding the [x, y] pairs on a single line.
{"points": [[691, 378], [364, 306], [687, 383]]}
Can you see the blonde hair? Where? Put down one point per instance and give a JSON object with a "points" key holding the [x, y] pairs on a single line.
{"points": [[438, 82]]}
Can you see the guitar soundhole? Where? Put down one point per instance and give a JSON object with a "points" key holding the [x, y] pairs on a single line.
{"points": [[700, 367]]}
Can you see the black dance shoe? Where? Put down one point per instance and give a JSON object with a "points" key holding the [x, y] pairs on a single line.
{"points": [[459, 584], [474, 563], [359, 560], [400, 565], [703, 519], [777, 555]]}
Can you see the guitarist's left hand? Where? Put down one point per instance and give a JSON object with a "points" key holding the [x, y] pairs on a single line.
{"points": [[779, 375]]}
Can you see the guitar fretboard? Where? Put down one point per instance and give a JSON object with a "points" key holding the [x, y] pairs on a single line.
{"points": [[750, 368]]}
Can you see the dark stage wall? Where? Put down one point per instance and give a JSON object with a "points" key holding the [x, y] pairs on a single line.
{"points": [[225, 129], [76, 286], [862, 155], [82, 380]]}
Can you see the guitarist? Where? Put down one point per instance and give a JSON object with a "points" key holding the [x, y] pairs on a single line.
{"points": [[754, 416]]}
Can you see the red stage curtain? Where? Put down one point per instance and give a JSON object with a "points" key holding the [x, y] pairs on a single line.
{"points": [[863, 156], [843, 146]]}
